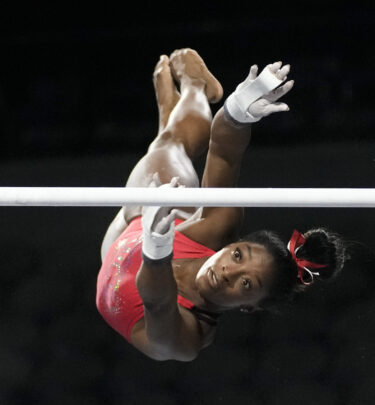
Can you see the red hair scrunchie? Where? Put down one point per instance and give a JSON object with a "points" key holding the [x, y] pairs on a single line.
{"points": [[304, 273]]}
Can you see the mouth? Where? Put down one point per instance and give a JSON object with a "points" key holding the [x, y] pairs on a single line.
{"points": [[212, 278]]}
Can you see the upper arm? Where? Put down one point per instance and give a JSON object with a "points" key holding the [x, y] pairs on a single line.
{"points": [[169, 334], [168, 331]]}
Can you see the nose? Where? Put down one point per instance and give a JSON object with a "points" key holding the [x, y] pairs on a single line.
{"points": [[223, 273], [230, 273]]}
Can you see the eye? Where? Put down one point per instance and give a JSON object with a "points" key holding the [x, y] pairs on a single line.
{"points": [[237, 254], [246, 283]]}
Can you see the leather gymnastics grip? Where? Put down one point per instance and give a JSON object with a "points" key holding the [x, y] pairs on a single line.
{"points": [[249, 91], [157, 245]]}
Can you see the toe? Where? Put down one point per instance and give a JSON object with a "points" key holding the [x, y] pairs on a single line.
{"points": [[164, 59], [162, 65], [175, 53]]}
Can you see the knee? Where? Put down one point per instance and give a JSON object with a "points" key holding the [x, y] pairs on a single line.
{"points": [[166, 138]]}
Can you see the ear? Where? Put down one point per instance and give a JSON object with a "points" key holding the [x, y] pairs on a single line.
{"points": [[249, 309]]}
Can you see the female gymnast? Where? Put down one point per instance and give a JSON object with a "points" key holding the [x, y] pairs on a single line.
{"points": [[168, 274]]}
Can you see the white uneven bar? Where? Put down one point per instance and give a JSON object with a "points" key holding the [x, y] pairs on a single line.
{"points": [[187, 197]]}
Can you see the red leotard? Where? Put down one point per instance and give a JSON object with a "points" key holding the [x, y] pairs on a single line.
{"points": [[117, 298]]}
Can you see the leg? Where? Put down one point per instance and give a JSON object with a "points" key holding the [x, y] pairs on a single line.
{"points": [[115, 229], [184, 129], [166, 93], [167, 97], [185, 133]]}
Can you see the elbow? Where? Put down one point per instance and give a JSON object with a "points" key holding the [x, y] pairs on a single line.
{"points": [[164, 351], [189, 357], [182, 357], [186, 355]]}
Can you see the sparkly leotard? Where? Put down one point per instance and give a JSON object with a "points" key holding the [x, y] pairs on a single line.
{"points": [[117, 299]]}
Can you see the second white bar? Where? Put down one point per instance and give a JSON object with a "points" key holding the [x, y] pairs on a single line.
{"points": [[184, 197]]}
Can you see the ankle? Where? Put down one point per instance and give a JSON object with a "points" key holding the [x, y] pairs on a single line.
{"points": [[192, 84]]}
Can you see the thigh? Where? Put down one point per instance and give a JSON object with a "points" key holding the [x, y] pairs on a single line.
{"points": [[169, 160]]}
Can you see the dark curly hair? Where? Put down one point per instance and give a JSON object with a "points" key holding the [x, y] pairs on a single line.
{"points": [[321, 246]]}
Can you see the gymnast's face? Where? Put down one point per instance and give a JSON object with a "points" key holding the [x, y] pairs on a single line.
{"points": [[237, 276]]}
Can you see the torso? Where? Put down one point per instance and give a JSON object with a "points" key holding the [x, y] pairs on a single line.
{"points": [[185, 270]]}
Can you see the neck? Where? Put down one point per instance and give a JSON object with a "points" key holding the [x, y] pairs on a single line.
{"points": [[185, 272]]}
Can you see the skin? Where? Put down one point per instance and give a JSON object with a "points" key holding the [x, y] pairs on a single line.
{"points": [[240, 273], [238, 276]]}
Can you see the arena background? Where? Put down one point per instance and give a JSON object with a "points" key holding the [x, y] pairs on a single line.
{"points": [[77, 108]]}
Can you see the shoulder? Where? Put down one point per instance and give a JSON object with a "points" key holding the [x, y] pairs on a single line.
{"points": [[216, 227], [194, 335], [205, 327]]}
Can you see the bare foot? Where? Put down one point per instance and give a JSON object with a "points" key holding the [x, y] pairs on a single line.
{"points": [[167, 95], [187, 63]]}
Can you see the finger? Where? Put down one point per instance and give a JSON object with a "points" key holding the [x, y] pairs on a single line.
{"points": [[174, 181], [283, 72], [274, 67], [286, 87], [165, 223], [280, 91], [155, 182], [275, 107], [159, 214], [152, 184], [253, 72]]}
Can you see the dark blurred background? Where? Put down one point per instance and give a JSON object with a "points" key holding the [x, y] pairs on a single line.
{"points": [[77, 108]]}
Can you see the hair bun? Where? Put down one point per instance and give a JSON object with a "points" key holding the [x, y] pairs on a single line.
{"points": [[324, 247]]}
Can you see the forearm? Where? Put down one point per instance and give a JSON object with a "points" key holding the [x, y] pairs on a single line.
{"points": [[156, 284], [155, 280], [227, 147], [169, 335], [253, 99]]}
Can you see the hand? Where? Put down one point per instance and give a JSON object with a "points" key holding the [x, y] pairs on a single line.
{"points": [[256, 97], [158, 225], [268, 104]]}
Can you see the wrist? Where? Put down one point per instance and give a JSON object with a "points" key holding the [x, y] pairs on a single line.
{"points": [[248, 92], [231, 120], [156, 262], [157, 246]]}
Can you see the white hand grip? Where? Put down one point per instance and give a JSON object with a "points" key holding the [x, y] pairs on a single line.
{"points": [[238, 103]]}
